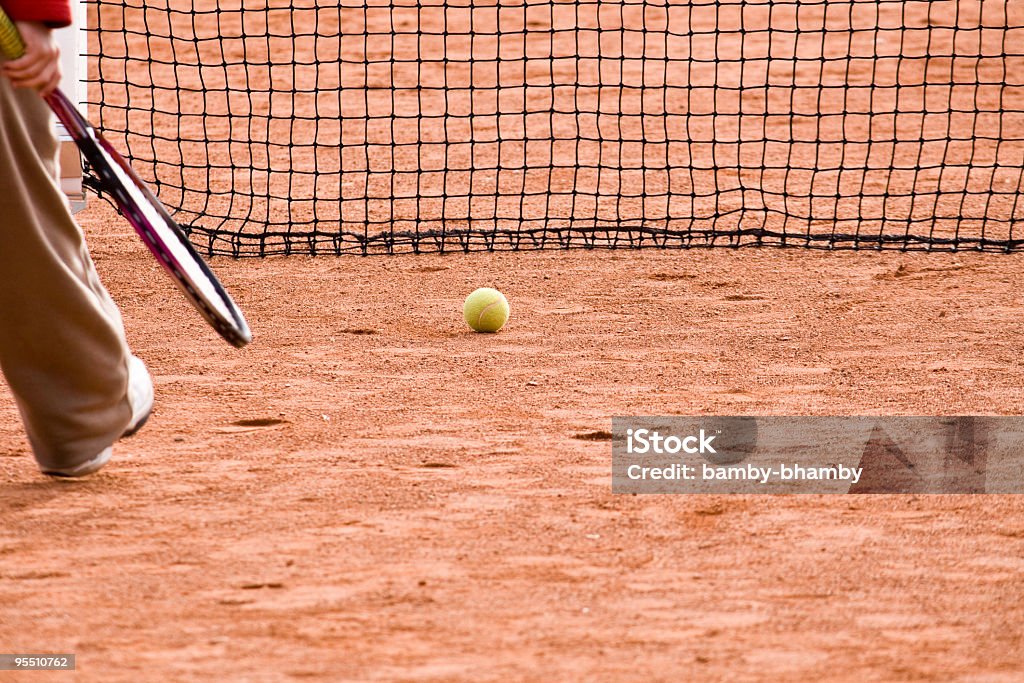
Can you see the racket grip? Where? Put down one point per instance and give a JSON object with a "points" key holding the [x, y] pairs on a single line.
{"points": [[11, 44]]}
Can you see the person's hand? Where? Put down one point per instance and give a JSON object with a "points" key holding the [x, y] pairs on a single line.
{"points": [[39, 67]]}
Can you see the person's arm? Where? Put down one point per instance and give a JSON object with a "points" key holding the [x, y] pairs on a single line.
{"points": [[39, 68]]}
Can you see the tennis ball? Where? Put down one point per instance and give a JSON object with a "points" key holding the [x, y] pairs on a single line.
{"points": [[486, 310]]}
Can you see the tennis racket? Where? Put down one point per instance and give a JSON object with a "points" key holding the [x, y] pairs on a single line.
{"points": [[143, 210]]}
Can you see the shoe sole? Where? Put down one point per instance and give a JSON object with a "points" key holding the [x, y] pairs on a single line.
{"points": [[133, 430]]}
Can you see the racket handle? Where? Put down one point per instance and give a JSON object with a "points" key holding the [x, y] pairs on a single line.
{"points": [[11, 43]]}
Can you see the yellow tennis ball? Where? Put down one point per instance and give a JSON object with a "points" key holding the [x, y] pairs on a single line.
{"points": [[486, 310]]}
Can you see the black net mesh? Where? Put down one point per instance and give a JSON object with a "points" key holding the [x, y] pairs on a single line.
{"points": [[396, 126]]}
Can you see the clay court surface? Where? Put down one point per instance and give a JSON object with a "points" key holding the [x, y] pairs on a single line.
{"points": [[372, 492]]}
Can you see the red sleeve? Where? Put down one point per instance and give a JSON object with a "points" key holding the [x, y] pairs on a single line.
{"points": [[56, 13]]}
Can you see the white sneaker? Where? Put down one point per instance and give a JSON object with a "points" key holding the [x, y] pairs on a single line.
{"points": [[140, 398], [140, 394], [87, 467]]}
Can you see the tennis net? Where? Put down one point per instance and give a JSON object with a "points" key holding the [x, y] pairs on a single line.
{"points": [[388, 126]]}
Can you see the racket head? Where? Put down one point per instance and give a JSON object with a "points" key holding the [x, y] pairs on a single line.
{"points": [[154, 225]]}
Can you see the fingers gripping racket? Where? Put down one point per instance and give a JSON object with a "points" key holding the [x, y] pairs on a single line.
{"points": [[143, 210]]}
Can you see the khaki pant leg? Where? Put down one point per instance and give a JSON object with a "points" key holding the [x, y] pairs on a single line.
{"points": [[62, 344]]}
